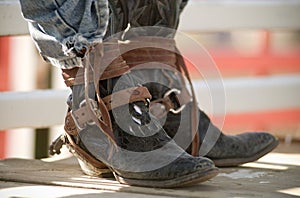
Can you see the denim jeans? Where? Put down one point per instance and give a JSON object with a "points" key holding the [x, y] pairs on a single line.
{"points": [[63, 30]]}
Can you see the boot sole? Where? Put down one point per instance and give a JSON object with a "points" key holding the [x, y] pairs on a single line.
{"points": [[186, 180], [105, 171], [238, 161]]}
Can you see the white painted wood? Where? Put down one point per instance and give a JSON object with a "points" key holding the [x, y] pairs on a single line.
{"points": [[252, 94], [20, 143], [57, 83], [226, 15], [199, 15], [23, 74], [42, 108], [11, 20], [242, 95], [48, 107]]}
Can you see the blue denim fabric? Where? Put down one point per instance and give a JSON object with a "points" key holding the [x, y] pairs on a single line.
{"points": [[64, 29]]}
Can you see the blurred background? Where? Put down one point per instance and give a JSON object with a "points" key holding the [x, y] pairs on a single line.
{"points": [[259, 65]]}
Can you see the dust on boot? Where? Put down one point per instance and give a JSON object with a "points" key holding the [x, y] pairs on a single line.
{"points": [[171, 103], [109, 125]]}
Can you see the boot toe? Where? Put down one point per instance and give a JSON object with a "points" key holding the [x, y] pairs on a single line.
{"points": [[259, 143], [243, 148]]}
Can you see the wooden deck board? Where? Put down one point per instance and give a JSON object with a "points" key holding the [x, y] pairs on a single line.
{"points": [[13, 189], [275, 175]]}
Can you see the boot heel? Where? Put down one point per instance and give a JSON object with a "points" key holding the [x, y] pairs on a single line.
{"points": [[88, 169]]}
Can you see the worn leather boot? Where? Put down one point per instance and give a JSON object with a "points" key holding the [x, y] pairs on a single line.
{"points": [[171, 103], [109, 125]]}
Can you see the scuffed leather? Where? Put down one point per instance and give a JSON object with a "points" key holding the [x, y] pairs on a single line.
{"points": [[225, 146], [233, 146], [144, 149], [143, 13]]}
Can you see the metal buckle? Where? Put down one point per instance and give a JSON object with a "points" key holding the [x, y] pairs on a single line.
{"points": [[177, 92], [94, 108]]}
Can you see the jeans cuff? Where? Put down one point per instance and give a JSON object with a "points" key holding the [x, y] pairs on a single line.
{"points": [[66, 63]]}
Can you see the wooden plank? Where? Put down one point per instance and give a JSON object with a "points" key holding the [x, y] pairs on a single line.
{"points": [[272, 176], [13, 189]]}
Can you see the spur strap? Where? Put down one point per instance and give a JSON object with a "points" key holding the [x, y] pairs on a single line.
{"points": [[76, 120], [96, 110], [163, 52]]}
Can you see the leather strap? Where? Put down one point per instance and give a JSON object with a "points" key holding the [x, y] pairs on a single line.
{"points": [[96, 111], [76, 120], [150, 54], [126, 96], [97, 114], [195, 116], [115, 68], [161, 50]]}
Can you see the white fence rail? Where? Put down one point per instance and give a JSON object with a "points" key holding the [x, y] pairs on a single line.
{"points": [[47, 108], [199, 15], [224, 15]]}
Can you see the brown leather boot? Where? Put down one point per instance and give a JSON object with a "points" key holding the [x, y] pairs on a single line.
{"points": [[162, 68]]}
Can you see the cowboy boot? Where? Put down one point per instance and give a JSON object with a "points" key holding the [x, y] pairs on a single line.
{"points": [[108, 124], [171, 103]]}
